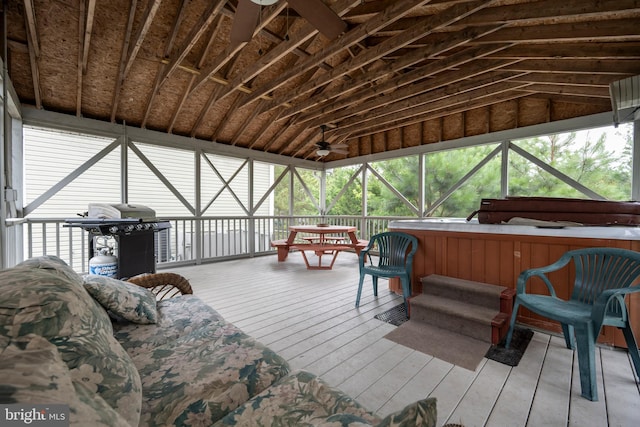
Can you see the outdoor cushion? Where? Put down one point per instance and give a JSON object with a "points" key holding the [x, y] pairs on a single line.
{"points": [[45, 301], [177, 317], [32, 371], [200, 367], [53, 264], [303, 399], [129, 301]]}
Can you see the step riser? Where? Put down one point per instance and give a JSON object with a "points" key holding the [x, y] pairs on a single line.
{"points": [[448, 308], [459, 324], [462, 290], [462, 296]]}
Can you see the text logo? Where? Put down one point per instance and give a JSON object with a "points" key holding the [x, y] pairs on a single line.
{"points": [[26, 414]]}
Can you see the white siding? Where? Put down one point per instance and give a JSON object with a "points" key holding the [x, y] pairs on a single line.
{"points": [[50, 156]]}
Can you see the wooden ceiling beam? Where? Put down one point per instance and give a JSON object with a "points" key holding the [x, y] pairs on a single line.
{"points": [[218, 93], [248, 119], [594, 50], [425, 114], [405, 85], [318, 105], [232, 49], [459, 91], [586, 66], [196, 32], [88, 31], [85, 31], [213, 97], [123, 56], [553, 11], [34, 50], [420, 29], [280, 51], [394, 12], [147, 19], [570, 99], [593, 80], [612, 30], [31, 26], [168, 46], [445, 83], [572, 90]]}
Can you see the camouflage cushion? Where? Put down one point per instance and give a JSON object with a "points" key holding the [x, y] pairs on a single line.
{"points": [[304, 400], [32, 371], [45, 297], [196, 367], [124, 299]]}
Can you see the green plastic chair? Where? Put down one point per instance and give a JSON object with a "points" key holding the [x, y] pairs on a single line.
{"points": [[603, 278], [395, 259]]}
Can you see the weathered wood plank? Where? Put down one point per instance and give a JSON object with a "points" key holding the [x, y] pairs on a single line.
{"points": [[582, 411], [394, 380], [551, 403], [309, 318], [621, 386], [512, 407], [372, 372], [452, 390], [422, 384], [481, 396]]}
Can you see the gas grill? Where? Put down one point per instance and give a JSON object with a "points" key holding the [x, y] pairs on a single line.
{"points": [[124, 226], [134, 239]]}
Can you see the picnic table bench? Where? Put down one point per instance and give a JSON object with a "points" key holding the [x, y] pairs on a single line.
{"points": [[320, 245]]}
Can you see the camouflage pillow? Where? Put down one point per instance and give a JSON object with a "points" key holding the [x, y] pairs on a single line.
{"points": [[124, 299], [55, 265], [32, 371], [44, 302]]}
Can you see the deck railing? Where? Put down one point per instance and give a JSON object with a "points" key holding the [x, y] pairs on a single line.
{"points": [[219, 237]]}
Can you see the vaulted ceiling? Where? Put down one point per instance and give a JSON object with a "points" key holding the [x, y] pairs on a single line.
{"points": [[403, 73]]}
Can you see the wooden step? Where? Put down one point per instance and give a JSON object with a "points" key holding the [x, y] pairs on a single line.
{"points": [[464, 318], [465, 305]]}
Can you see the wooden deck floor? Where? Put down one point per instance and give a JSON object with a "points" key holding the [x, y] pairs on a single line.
{"points": [[309, 318]]}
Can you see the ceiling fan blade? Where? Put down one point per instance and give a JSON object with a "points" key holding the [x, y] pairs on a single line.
{"points": [[339, 151], [339, 146], [245, 21], [320, 16]]}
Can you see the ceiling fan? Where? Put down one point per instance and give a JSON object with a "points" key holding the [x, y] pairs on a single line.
{"points": [[323, 148], [316, 12]]}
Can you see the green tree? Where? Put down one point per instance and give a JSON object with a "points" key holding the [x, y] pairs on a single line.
{"points": [[350, 203], [402, 174], [587, 161], [445, 168]]}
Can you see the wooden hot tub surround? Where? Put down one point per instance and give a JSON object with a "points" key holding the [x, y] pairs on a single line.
{"points": [[497, 254]]}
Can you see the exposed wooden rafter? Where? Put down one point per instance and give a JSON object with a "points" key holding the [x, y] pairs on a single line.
{"points": [[404, 73]]}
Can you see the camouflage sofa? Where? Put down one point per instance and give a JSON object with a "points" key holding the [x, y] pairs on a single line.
{"points": [[118, 357]]}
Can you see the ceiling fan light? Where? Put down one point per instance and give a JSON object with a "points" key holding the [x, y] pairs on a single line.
{"points": [[265, 2], [323, 152]]}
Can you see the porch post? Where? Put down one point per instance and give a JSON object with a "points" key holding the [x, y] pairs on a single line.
{"points": [[504, 171], [124, 168], [363, 219], [421, 186], [635, 163], [251, 232], [197, 228]]}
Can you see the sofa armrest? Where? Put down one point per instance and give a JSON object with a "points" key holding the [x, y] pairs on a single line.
{"points": [[163, 285]]}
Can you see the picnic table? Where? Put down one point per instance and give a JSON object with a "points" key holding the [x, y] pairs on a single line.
{"points": [[330, 240]]}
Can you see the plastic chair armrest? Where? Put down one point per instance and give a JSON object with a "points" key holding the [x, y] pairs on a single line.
{"points": [[541, 273], [606, 298], [365, 252]]}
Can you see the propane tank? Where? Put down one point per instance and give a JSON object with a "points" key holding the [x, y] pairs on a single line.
{"points": [[104, 264]]}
